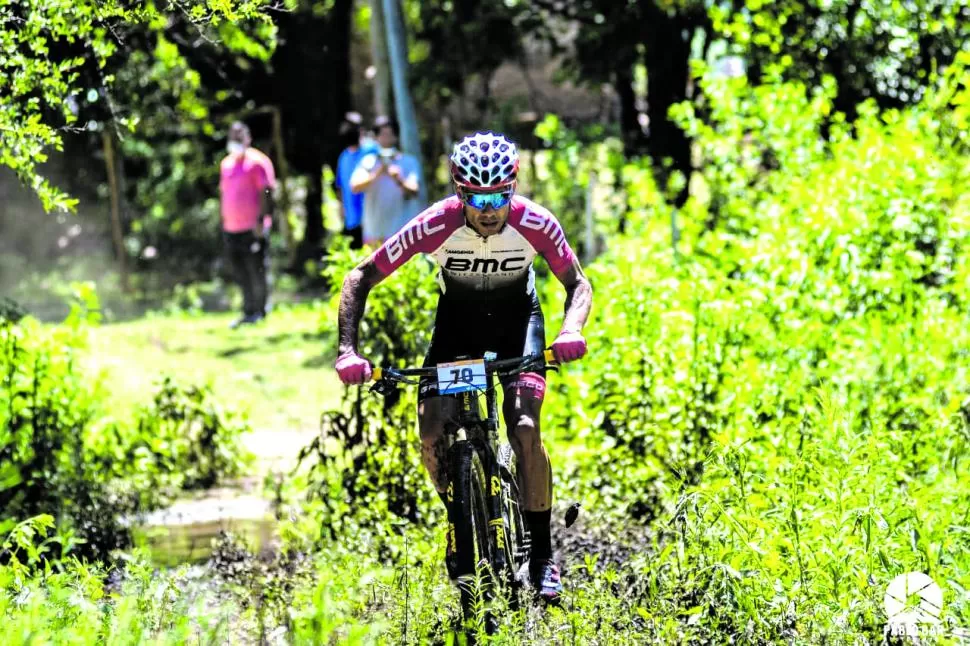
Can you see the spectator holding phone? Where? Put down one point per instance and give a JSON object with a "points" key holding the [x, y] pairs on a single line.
{"points": [[389, 180]]}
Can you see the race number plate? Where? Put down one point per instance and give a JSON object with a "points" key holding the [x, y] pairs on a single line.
{"points": [[461, 376]]}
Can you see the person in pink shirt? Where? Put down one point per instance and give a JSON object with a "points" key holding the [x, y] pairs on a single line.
{"points": [[246, 185]]}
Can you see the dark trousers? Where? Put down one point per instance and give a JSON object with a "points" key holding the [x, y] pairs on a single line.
{"points": [[356, 236], [247, 256]]}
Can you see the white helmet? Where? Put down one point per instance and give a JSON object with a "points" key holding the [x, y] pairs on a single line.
{"points": [[484, 160]]}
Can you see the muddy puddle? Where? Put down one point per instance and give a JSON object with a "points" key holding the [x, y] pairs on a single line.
{"points": [[184, 532]]}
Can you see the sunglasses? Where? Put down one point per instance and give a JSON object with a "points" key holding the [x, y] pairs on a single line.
{"points": [[482, 201]]}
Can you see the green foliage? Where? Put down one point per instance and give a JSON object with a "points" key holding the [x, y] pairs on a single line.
{"points": [[172, 156], [785, 401], [11, 310], [577, 167], [366, 457], [55, 51], [448, 35], [63, 457], [46, 410], [183, 440], [887, 51], [77, 603]]}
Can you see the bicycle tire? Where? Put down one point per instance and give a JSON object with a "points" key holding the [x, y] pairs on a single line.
{"points": [[469, 524], [518, 542]]}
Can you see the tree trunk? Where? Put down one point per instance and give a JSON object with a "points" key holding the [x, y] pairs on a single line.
{"points": [[282, 173], [668, 66], [312, 89], [117, 233], [398, 56], [378, 41], [634, 143], [312, 244]]}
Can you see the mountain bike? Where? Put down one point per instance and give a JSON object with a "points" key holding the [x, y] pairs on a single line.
{"points": [[487, 539]]}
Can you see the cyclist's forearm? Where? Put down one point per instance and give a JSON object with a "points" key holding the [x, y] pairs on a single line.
{"points": [[579, 301], [353, 300]]}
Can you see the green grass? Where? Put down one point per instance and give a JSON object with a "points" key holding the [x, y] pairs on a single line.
{"points": [[279, 372]]}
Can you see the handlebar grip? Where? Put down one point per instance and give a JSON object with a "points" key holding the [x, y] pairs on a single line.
{"points": [[550, 356], [377, 374]]}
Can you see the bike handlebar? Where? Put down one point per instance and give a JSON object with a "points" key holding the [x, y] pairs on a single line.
{"points": [[547, 357]]}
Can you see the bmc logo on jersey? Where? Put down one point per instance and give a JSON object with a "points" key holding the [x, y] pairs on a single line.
{"points": [[547, 225], [404, 240], [485, 265]]}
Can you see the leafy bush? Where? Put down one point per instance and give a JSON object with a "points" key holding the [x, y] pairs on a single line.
{"points": [[786, 400], [61, 455], [77, 603], [11, 310], [577, 167], [367, 458], [46, 409], [186, 438]]}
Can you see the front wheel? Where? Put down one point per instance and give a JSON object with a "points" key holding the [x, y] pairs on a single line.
{"points": [[468, 540], [518, 544]]}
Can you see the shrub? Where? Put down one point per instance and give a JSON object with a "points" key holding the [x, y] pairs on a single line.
{"points": [[61, 455], [785, 400], [366, 459], [78, 603]]}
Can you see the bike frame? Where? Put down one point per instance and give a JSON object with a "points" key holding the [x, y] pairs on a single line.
{"points": [[482, 435]]}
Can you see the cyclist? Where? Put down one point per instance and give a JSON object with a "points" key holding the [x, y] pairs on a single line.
{"points": [[484, 239]]}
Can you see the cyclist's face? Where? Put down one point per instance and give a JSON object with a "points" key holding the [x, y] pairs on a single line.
{"points": [[487, 220]]}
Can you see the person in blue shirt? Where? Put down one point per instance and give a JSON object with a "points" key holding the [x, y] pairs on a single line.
{"points": [[355, 146]]}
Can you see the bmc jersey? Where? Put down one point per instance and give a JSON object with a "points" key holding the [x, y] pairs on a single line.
{"points": [[469, 262]]}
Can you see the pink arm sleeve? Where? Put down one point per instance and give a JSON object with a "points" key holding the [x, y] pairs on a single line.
{"points": [[423, 234], [544, 233]]}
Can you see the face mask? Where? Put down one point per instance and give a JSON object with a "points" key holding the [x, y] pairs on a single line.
{"points": [[235, 148]]}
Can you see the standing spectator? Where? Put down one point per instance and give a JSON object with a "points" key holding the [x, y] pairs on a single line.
{"points": [[390, 182], [246, 185], [351, 204]]}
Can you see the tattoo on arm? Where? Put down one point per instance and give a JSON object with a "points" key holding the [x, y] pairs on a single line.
{"points": [[353, 299], [579, 297]]}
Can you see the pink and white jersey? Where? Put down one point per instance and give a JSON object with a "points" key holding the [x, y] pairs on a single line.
{"points": [[469, 262]]}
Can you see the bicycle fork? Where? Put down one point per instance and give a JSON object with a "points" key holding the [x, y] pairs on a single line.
{"points": [[468, 437]]}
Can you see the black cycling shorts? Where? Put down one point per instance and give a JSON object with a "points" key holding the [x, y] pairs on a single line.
{"points": [[508, 326]]}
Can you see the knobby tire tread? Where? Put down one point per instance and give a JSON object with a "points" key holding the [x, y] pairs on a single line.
{"points": [[470, 518]]}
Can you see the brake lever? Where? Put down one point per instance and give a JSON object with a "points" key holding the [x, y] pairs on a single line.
{"points": [[383, 387]]}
